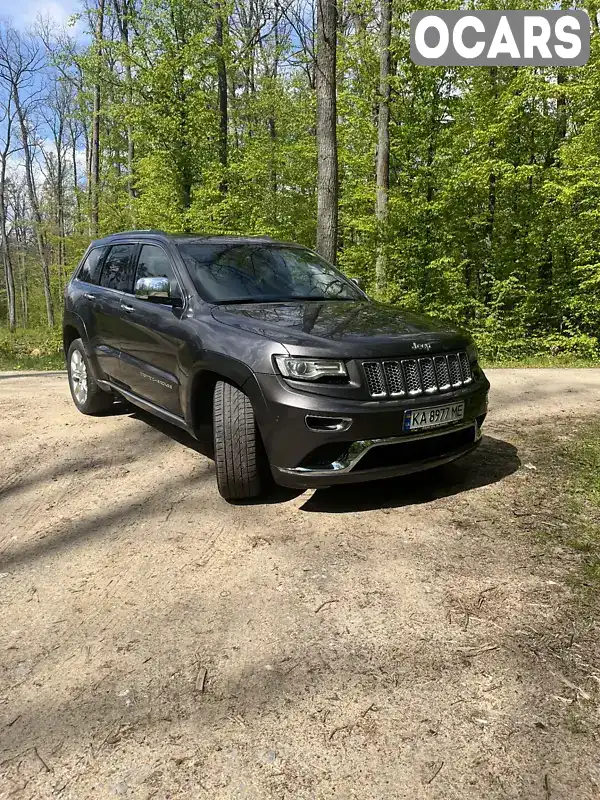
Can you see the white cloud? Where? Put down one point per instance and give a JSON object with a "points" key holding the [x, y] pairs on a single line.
{"points": [[25, 14]]}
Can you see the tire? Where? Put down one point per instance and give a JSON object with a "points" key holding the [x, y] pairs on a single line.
{"points": [[238, 450], [88, 397]]}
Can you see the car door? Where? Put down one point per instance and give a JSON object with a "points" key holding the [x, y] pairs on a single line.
{"points": [[116, 280], [153, 336], [83, 293]]}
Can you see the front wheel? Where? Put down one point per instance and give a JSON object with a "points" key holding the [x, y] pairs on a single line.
{"points": [[87, 395], [238, 454]]}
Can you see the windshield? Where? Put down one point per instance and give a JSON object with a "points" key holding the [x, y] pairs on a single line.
{"points": [[258, 273]]}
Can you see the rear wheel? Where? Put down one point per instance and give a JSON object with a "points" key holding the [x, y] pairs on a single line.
{"points": [[87, 395], [238, 454]]}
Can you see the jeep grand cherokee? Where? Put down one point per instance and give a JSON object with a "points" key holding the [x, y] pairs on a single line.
{"points": [[298, 372]]}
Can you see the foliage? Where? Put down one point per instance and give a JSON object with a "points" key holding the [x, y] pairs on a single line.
{"points": [[39, 348]]}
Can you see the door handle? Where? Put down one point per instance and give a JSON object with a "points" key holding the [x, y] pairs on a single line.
{"points": [[89, 296], [127, 308]]}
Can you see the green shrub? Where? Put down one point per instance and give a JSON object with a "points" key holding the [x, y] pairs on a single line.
{"points": [[31, 348], [562, 349]]}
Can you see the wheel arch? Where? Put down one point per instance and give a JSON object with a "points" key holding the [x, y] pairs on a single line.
{"points": [[73, 328], [70, 333], [199, 399]]}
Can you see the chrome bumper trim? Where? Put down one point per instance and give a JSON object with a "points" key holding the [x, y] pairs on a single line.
{"points": [[358, 449]]}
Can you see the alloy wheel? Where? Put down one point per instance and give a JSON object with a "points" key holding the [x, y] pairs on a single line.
{"points": [[79, 378]]}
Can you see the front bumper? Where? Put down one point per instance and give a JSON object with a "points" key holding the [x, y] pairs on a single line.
{"points": [[372, 446]]}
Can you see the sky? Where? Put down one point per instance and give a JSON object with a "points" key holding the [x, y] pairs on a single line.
{"points": [[24, 13]]}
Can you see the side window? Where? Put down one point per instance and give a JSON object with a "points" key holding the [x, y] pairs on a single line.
{"points": [[117, 272], [90, 269], [155, 263]]}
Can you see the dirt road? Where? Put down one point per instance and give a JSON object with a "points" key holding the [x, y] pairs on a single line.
{"points": [[410, 639]]}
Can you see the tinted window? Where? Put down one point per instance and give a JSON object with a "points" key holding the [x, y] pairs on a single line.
{"points": [[155, 263], [252, 272], [117, 272], [90, 269]]}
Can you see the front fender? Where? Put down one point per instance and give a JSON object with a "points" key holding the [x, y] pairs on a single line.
{"points": [[230, 369]]}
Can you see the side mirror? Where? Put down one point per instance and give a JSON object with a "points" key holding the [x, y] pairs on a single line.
{"points": [[155, 289], [358, 282]]}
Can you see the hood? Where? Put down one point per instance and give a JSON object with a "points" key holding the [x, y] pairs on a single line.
{"points": [[348, 329]]}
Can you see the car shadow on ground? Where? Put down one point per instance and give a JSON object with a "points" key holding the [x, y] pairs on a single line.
{"points": [[203, 444], [493, 460]]}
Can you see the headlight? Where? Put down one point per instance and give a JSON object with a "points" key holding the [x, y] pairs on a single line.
{"points": [[310, 369]]}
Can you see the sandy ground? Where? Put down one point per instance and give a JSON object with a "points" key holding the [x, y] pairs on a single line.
{"points": [[407, 639]]}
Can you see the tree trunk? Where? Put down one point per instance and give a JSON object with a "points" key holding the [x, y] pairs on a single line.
{"points": [[123, 13], [60, 202], [327, 158], [35, 208], [76, 191], [21, 243], [383, 143], [95, 145], [272, 123], [24, 294], [4, 242], [9, 280], [222, 92]]}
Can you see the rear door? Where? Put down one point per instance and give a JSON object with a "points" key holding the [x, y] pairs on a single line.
{"points": [[153, 335], [116, 283], [84, 293]]}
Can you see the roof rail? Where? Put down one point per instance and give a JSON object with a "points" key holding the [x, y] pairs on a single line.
{"points": [[141, 230], [160, 232]]}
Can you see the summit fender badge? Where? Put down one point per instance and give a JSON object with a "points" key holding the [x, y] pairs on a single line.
{"points": [[155, 380]]}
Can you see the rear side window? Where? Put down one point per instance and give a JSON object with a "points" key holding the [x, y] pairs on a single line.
{"points": [[117, 272], [90, 269], [155, 263]]}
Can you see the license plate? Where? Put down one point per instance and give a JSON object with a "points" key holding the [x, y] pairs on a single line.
{"points": [[422, 418]]}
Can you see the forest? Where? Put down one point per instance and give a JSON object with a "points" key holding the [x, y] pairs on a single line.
{"points": [[469, 193]]}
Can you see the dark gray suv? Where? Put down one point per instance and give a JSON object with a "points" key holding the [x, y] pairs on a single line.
{"points": [[301, 375]]}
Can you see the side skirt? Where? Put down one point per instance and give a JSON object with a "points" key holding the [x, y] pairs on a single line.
{"points": [[146, 405]]}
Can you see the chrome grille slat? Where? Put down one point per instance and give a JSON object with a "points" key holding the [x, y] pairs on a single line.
{"points": [[412, 377], [465, 368], [454, 369], [428, 381], [374, 375], [394, 379], [441, 370], [417, 376]]}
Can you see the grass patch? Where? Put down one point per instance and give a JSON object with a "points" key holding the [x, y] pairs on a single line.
{"points": [[572, 474], [584, 455], [31, 349], [543, 361], [583, 464]]}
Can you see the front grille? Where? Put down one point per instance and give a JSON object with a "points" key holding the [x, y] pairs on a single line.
{"points": [[416, 376]]}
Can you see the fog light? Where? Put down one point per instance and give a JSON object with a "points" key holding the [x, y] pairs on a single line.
{"points": [[328, 423]]}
